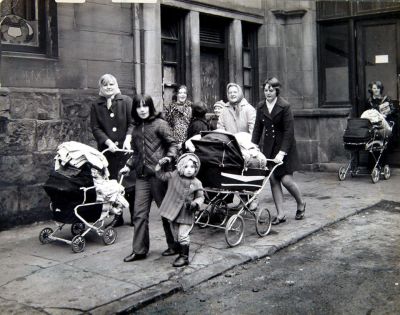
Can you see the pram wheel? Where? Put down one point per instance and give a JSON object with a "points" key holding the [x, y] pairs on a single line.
{"points": [[78, 244], [44, 235], [203, 218], [263, 222], [386, 172], [109, 235], [234, 230], [342, 173], [375, 175], [77, 228], [219, 212]]}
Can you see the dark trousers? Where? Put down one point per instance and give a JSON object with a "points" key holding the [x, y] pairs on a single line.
{"points": [[148, 189]]}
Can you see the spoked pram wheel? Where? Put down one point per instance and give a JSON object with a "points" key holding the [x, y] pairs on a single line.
{"points": [[109, 235], [234, 230], [386, 172], [263, 222], [44, 235], [78, 244], [375, 175], [342, 173], [77, 228], [219, 212]]}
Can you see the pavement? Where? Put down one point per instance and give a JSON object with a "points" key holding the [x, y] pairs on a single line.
{"points": [[40, 278]]}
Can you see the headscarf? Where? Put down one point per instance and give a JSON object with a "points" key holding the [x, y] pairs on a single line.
{"points": [[219, 104], [240, 96], [106, 78]]}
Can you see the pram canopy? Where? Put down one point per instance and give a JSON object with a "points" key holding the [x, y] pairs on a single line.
{"points": [[222, 163], [358, 132]]}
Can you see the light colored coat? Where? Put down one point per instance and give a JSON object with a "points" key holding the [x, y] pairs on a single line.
{"points": [[181, 192], [236, 119]]}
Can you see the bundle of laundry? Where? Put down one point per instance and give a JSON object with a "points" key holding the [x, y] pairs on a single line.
{"points": [[379, 120], [252, 155], [77, 154], [110, 192]]}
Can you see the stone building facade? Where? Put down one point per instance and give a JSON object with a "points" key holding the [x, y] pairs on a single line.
{"points": [[49, 81]]}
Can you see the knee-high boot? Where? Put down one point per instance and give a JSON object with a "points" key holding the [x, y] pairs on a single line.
{"points": [[183, 258]]}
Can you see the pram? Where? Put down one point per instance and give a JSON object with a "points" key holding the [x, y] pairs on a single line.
{"points": [[77, 195], [362, 135], [224, 175]]}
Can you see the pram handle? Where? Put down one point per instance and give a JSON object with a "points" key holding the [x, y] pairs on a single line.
{"points": [[117, 150], [272, 160]]}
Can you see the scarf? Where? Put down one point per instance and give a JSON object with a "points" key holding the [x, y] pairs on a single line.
{"points": [[106, 78]]}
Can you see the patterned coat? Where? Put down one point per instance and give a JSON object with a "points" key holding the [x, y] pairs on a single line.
{"points": [[278, 130], [151, 140], [178, 117], [181, 192]]}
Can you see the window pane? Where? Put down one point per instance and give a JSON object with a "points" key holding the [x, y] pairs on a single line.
{"points": [[169, 75], [246, 59], [247, 94], [169, 52], [247, 77], [335, 62], [19, 24]]}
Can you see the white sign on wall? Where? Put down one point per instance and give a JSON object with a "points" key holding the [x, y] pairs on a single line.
{"points": [[382, 59]]}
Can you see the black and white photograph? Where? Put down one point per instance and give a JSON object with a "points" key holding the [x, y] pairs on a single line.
{"points": [[200, 157]]}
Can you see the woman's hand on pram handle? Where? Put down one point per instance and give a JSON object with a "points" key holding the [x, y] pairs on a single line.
{"points": [[111, 145], [165, 160], [127, 143], [125, 170], [279, 157]]}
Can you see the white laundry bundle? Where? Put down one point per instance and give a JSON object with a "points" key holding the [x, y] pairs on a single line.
{"points": [[252, 155], [378, 119], [110, 192]]}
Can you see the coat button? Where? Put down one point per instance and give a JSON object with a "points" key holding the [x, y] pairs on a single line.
{"points": [[272, 126], [116, 143], [112, 115], [114, 129]]}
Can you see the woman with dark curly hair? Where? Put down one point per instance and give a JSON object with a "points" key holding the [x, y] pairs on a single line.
{"points": [[178, 114]]}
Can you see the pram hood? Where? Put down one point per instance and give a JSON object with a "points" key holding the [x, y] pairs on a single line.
{"points": [[219, 148]]}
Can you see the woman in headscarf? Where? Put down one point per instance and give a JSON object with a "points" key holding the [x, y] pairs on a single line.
{"points": [[111, 123], [238, 115]]}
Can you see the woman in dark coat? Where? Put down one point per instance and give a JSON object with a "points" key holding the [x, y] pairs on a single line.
{"points": [[153, 144], [274, 120], [111, 123]]}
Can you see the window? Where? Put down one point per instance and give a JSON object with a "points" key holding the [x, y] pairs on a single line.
{"points": [[29, 26], [250, 62], [334, 64], [172, 51]]}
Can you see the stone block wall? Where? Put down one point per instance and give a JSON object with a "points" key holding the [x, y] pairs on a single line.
{"points": [[32, 126]]}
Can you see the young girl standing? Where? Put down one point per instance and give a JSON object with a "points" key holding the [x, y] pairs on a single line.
{"points": [[183, 197]]}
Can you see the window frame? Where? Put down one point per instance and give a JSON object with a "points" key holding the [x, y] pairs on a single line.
{"points": [[322, 91], [252, 32]]}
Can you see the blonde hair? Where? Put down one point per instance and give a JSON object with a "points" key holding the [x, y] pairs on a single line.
{"points": [[184, 161]]}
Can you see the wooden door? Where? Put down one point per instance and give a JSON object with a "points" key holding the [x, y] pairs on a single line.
{"points": [[212, 76], [378, 60]]}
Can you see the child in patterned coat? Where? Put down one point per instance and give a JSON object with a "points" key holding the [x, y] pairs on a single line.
{"points": [[184, 196]]}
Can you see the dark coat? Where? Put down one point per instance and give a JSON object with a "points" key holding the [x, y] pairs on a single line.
{"points": [[277, 130], [196, 126], [151, 140], [102, 122]]}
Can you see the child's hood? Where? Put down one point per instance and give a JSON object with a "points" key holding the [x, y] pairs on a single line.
{"points": [[194, 158]]}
